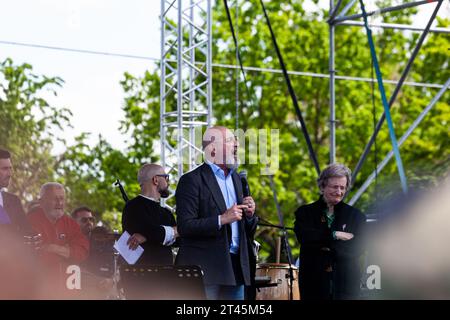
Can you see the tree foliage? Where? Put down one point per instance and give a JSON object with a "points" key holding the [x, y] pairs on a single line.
{"points": [[89, 172], [303, 40]]}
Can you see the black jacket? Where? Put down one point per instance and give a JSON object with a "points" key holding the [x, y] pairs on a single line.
{"points": [[146, 217], [14, 209], [199, 203], [320, 253]]}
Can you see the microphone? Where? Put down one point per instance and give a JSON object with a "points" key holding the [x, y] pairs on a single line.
{"points": [[122, 190], [245, 187]]}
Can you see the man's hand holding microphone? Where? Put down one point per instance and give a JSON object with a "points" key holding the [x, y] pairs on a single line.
{"points": [[235, 212]]}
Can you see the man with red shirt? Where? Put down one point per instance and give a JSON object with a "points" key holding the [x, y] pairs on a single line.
{"points": [[63, 243]]}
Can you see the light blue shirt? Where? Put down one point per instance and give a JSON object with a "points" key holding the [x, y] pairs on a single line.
{"points": [[229, 195]]}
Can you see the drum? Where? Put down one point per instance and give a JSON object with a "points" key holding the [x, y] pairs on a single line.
{"points": [[272, 282]]}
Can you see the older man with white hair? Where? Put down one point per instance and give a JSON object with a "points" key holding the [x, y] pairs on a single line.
{"points": [[148, 223], [63, 243]]}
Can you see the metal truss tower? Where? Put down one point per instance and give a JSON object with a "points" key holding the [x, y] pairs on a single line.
{"points": [[186, 88], [338, 17]]}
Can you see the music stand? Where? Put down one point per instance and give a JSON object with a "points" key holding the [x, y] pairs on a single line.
{"points": [[162, 282], [285, 239]]}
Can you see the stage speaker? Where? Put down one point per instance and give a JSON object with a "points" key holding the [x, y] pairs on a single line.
{"points": [[156, 282]]}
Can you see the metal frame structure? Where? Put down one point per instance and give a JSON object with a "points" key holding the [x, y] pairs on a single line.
{"points": [[186, 88], [340, 19], [408, 132], [188, 113]]}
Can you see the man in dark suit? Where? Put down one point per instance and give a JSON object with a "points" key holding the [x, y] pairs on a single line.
{"points": [[149, 224], [19, 274], [12, 215], [216, 224]]}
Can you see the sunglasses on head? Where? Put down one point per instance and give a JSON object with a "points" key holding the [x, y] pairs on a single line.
{"points": [[165, 176]]}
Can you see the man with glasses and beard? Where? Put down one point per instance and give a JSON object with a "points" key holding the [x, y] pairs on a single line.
{"points": [[215, 221], [86, 220], [97, 271], [150, 225]]}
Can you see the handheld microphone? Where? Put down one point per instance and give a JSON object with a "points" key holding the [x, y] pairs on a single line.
{"points": [[245, 187]]}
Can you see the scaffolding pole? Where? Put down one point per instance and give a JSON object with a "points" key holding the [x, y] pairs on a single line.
{"points": [[326, 76], [386, 106], [332, 85], [384, 10], [185, 87], [393, 26], [408, 132], [395, 93]]}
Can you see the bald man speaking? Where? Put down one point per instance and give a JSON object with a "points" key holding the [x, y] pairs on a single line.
{"points": [[215, 221]]}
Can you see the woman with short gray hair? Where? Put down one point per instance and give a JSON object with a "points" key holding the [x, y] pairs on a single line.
{"points": [[334, 170], [328, 231]]}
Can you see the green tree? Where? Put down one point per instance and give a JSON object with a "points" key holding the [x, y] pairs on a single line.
{"points": [[303, 40], [89, 174], [28, 124], [141, 115]]}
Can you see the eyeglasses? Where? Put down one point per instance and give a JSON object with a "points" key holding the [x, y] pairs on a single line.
{"points": [[336, 187], [165, 176], [86, 219], [231, 139]]}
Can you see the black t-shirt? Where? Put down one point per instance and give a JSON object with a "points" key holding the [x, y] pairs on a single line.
{"points": [[147, 217]]}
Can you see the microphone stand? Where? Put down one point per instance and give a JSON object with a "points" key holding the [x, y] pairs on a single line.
{"points": [[285, 239], [122, 190], [116, 275], [265, 223]]}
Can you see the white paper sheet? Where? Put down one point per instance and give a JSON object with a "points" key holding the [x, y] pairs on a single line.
{"points": [[130, 256]]}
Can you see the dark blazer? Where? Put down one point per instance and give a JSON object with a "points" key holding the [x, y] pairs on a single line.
{"points": [[199, 202], [147, 217], [14, 209], [319, 251]]}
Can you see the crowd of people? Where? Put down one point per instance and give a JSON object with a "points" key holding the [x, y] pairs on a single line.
{"points": [[213, 229]]}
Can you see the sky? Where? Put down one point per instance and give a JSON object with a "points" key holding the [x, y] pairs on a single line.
{"points": [[92, 90]]}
